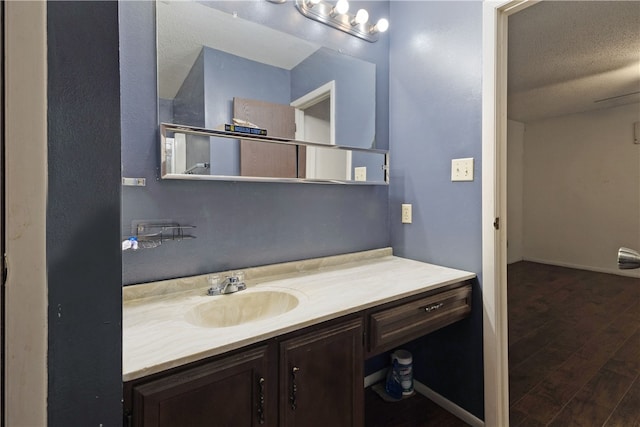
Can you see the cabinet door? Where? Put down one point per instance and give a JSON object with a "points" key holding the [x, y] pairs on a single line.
{"points": [[321, 377], [235, 391]]}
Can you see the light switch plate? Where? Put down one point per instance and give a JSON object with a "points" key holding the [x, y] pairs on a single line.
{"points": [[462, 169]]}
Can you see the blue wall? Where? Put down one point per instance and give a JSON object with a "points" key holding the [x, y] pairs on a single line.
{"points": [[240, 224], [84, 361], [227, 76], [435, 116]]}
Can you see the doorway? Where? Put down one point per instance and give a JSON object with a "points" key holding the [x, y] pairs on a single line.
{"points": [[570, 226], [315, 116], [495, 20]]}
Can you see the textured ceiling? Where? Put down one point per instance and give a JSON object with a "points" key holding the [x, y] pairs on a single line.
{"points": [[571, 56]]}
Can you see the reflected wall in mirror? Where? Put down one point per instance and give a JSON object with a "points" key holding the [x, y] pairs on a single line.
{"points": [[207, 57], [197, 153]]}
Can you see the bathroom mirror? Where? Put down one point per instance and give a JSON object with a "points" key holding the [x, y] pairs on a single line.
{"points": [[216, 69]]}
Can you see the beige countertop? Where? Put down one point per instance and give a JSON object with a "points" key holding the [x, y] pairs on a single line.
{"points": [[156, 335]]}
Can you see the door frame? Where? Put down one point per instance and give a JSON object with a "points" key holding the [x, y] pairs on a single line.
{"points": [[321, 93], [495, 16], [3, 275], [327, 90], [26, 332]]}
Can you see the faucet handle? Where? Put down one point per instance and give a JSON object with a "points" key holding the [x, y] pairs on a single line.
{"points": [[214, 285], [229, 285], [237, 281]]}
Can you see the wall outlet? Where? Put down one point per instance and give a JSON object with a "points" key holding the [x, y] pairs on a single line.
{"points": [[462, 169], [406, 213], [360, 173]]}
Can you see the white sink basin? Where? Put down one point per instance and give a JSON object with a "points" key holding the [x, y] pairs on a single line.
{"points": [[239, 308]]}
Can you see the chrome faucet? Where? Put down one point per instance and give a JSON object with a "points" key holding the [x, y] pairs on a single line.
{"points": [[229, 285]]}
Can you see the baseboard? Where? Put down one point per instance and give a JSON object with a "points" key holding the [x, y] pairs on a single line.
{"points": [[617, 272], [445, 403], [376, 377], [438, 399]]}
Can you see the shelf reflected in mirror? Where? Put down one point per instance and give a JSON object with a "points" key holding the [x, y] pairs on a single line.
{"points": [[194, 153]]}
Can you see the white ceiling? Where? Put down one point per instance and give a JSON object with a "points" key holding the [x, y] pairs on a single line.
{"points": [[571, 56]]}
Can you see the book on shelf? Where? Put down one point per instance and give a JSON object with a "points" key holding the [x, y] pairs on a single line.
{"points": [[245, 129]]}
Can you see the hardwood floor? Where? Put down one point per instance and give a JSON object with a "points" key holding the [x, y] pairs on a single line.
{"points": [[416, 411], [574, 347]]}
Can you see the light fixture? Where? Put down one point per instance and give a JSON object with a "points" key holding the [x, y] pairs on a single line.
{"points": [[337, 16], [341, 7], [381, 26], [362, 16]]}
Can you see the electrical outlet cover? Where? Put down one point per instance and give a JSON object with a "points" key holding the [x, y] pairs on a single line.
{"points": [[360, 173], [406, 213]]}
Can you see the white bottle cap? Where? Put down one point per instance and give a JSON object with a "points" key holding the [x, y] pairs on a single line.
{"points": [[402, 356]]}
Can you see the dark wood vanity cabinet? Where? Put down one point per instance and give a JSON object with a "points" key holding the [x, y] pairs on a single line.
{"points": [[307, 378], [235, 391], [321, 377]]}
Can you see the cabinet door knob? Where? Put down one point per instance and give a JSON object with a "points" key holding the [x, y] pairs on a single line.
{"points": [[261, 382], [294, 388]]}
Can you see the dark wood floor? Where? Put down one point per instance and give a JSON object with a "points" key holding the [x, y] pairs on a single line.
{"points": [[416, 411], [574, 347]]}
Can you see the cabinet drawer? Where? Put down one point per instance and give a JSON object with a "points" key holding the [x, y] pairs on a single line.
{"points": [[398, 325]]}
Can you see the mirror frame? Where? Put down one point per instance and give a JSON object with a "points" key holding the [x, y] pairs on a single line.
{"points": [[166, 128]]}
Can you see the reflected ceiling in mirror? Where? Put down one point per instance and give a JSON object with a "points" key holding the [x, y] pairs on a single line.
{"points": [[207, 58]]}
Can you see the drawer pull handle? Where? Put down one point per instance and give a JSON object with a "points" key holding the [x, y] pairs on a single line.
{"points": [[433, 307], [261, 382], [293, 398]]}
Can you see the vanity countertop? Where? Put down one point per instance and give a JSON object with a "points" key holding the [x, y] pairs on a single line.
{"points": [[157, 337]]}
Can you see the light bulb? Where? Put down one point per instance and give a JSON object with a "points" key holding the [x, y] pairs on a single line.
{"points": [[361, 17], [381, 26], [340, 8]]}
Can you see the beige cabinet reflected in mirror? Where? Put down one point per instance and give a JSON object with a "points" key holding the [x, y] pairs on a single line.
{"points": [[267, 160]]}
